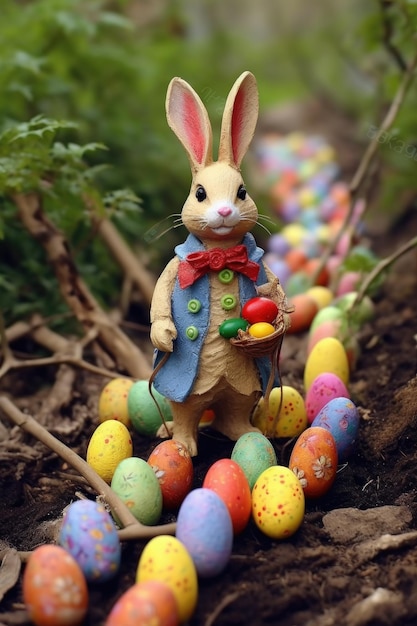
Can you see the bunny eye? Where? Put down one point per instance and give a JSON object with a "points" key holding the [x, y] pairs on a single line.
{"points": [[200, 193], [241, 192]]}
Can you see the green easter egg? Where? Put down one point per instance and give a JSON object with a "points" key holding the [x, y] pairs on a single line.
{"points": [[254, 453], [229, 328], [143, 408], [136, 484]]}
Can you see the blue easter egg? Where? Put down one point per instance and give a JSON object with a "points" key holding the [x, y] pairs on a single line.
{"points": [[204, 527], [341, 418], [90, 536]]}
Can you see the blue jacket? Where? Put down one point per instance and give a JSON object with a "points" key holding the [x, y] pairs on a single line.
{"points": [[176, 377]]}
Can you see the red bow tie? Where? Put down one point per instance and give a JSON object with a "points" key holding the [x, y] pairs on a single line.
{"points": [[197, 264]]}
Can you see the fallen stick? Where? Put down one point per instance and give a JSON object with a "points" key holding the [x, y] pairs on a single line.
{"points": [[133, 529]]}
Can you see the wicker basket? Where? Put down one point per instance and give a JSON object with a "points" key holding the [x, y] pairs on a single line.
{"points": [[263, 346]]}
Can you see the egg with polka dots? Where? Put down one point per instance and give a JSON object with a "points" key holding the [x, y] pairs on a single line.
{"points": [[286, 409], [112, 403], [278, 502], [167, 560], [90, 536], [110, 443]]}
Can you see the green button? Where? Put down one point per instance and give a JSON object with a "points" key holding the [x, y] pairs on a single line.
{"points": [[192, 332], [194, 305], [226, 276], [228, 302]]}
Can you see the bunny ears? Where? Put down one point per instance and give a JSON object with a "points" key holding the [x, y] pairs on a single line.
{"points": [[188, 118]]}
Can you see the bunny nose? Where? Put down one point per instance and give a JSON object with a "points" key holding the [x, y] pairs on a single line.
{"points": [[224, 211]]}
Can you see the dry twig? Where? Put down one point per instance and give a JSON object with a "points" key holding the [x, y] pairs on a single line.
{"points": [[74, 291], [133, 529]]}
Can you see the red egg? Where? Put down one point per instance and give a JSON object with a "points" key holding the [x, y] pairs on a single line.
{"points": [[226, 478], [314, 461], [259, 309], [173, 467], [54, 588], [148, 602]]}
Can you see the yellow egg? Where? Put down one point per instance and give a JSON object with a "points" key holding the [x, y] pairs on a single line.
{"points": [[322, 296], [261, 329], [287, 408], [278, 502], [294, 233], [112, 404], [328, 355], [166, 559], [110, 443]]}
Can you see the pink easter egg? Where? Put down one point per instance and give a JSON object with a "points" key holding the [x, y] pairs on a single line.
{"points": [[348, 282], [324, 388], [329, 328]]}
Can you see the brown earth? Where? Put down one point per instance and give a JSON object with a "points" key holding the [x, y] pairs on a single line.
{"points": [[353, 562]]}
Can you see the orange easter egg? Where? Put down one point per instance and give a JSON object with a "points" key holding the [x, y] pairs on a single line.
{"points": [[314, 461]]}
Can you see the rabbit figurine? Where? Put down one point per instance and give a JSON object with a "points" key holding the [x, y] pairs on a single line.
{"points": [[215, 271]]}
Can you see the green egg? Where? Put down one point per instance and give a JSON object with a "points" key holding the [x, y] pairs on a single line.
{"points": [[143, 408], [136, 484], [229, 328], [254, 453]]}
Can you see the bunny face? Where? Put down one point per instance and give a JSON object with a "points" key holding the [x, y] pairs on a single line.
{"points": [[219, 207]]}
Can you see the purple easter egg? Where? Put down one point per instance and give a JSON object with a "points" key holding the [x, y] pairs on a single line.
{"points": [[205, 528], [325, 387], [340, 417], [278, 245]]}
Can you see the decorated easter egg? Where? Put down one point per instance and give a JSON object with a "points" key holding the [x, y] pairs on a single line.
{"points": [[226, 478], [349, 281], [54, 588], [323, 389], [110, 443], [261, 329], [230, 328], [322, 295], [293, 233], [112, 403], [173, 467], [305, 309], [314, 461], [151, 602], [325, 314], [259, 309], [205, 528], [166, 559], [254, 453], [286, 409], [328, 355], [90, 536], [364, 311], [297, 283], [145, 409], [330, 328], [135, 483], [278, 502], [295, 259], [341, 418]]}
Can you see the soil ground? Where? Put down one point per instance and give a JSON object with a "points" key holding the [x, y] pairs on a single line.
{"points": [[336, 570]]}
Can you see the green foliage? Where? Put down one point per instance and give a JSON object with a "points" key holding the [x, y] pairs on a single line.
{"points": [[82, 113]]}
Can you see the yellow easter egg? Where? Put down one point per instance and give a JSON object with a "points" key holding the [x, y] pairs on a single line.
{"points": [[112, 403], [166, 560], [278, 502], [328, 355], [286, 407], [261, 329], [294, 233], [321, 295], [110, 443]]}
